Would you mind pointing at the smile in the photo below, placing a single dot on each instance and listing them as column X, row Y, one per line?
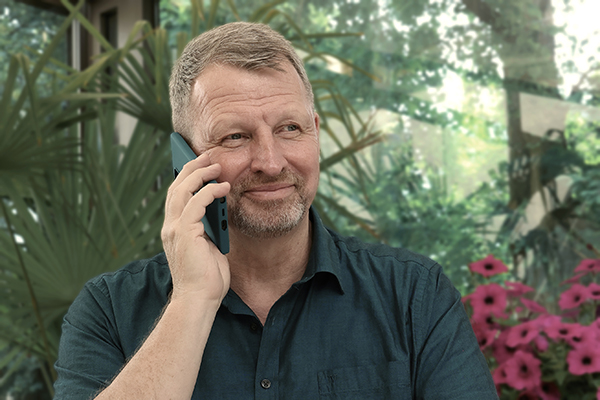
column 271, row 191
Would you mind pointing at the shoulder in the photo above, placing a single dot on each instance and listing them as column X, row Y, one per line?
column 390, row 272
column 144, row 274
column 382, row 256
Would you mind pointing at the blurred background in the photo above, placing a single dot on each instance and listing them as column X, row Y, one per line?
column 453, row 128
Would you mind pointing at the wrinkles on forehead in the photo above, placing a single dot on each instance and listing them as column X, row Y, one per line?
column 215, row 102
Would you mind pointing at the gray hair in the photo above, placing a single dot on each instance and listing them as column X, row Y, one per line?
column 245, row 45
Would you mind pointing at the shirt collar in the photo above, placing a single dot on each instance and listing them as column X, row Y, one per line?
column 324, row 254
column 323, row 263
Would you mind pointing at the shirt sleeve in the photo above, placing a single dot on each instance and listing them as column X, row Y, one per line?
column 89, row 354
column 450, row 363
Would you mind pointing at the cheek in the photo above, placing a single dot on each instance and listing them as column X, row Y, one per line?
column 233, row 165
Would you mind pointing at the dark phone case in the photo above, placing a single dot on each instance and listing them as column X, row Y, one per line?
column 215, row 218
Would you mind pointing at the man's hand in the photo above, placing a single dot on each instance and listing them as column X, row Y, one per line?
column 198, row 269
column 167, row 364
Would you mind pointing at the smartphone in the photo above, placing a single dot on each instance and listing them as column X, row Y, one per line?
column 215, row 217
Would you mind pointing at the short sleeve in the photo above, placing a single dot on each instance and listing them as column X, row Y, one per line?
column 450, row 363
column 89, row 355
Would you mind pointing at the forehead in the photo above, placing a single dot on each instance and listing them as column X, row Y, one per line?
column 227, row 90
column 218, row 79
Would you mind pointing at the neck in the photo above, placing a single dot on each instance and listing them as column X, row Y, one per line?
column 262, row 270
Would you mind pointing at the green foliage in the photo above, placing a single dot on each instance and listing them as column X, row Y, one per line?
column 404, row 203
column 22, row 26
column 74, row 202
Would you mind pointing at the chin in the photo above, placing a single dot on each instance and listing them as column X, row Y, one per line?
column 267, row 219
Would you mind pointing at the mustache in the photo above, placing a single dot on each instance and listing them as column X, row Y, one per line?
column 258, row 179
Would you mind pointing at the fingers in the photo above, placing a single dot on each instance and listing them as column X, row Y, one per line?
column 195, row 208
column 192, row 177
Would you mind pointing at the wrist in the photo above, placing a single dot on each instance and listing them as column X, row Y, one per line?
column 192, row 301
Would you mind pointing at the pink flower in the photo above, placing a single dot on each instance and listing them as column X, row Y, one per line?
column 499, row 375
column 574, row 279
column 517, row 288
column 560, row 330
column 541, row 343
column 488, row 266
column 546, row 320
column 594, row 291
column 533, row 306
column 484, row 320
column 549, row 391
column 582, row 336
column 489, row 299
column 573, row 297
column 484, row 330
column 584, row 360
column 523, row 371
column 522, row 334
column 502, row 352
column 588, row 265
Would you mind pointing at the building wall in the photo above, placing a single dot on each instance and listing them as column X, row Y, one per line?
column 128, row 12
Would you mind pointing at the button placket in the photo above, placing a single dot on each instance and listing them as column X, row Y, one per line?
column 267, row 368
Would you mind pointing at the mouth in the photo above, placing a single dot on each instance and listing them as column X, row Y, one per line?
column 270, row 191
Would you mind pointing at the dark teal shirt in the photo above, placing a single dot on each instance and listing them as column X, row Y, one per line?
column 365, row 322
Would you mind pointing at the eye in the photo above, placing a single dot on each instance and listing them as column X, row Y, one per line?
column 233, row 140
column 235, row 136
column 290, row 131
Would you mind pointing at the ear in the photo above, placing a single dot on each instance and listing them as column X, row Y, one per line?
column 317, row 124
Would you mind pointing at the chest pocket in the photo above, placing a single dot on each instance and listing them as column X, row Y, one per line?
column 383, row 381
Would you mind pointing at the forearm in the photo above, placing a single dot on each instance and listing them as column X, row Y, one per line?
column 166, row 365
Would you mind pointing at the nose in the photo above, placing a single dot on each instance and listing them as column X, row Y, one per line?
column 267, row 154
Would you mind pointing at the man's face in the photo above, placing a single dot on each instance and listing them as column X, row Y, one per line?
column 260, row 126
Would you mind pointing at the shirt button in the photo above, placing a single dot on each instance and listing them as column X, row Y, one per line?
column 265, row 383
column 254, row 326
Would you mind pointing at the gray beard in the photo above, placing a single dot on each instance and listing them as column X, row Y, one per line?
column 267, row 219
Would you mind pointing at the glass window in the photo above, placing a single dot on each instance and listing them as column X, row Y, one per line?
column 490, row 118
column 28, row 29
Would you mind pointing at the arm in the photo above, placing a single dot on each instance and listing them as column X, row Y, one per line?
column 166, row 364
column 450, row 363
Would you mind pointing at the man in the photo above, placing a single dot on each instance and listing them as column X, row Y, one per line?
column 294, row 311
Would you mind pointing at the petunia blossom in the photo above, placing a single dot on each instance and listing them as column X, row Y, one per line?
column 533, row 306
column 584, row 360
column 489, row 299
column 573, row 297
column 549, row 391
column 594, row 291
column 517, row 288
column 485, row 337
column 479, row 319
column 546, row 320
column 522, row 334
column 582, row 336
column 560, row 330
column 523, row 371
column 588, row 265
column 541, row 343
column 488, row 266
column 499, row 375
column 574, row 279
column 503, row 352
